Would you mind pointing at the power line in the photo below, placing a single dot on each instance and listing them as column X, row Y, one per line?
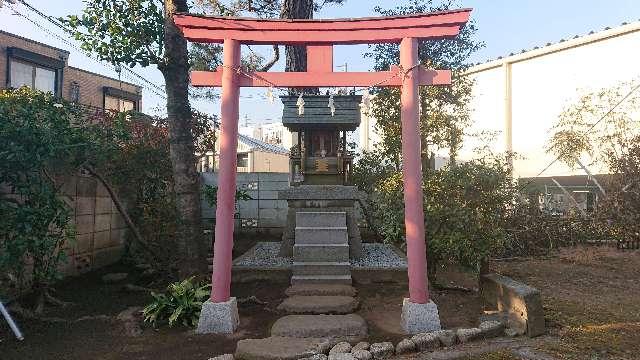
column 159, row 91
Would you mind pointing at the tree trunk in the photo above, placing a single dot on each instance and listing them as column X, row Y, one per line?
column 191, row 253
column 296, row 56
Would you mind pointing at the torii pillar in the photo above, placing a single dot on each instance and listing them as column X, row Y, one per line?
column 420, row 314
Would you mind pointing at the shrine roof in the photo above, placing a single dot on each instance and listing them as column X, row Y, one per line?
column 215, row 29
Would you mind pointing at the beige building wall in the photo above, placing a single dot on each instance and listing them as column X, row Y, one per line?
column 521, row 97
column 91, row 85
column 267, row 162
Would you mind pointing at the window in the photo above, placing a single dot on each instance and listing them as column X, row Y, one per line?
column 243, row 160
column 33, row 76
column 34, row 70
column 114, row 103
column 74, row 92
column 120, row 100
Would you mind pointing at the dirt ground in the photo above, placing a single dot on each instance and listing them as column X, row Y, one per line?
column 591, row 298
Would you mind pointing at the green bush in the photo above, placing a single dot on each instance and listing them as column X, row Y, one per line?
column 465, row 208
column 180, row 304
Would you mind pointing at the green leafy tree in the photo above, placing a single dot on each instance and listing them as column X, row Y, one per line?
column 37, row 142
column 444, row 109
column 142, row 32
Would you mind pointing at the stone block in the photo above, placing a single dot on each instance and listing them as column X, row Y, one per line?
column 102, row 239
column 363, row 345
column 86, row 187
column 310, row 252
column 274, row 186
column 265, row 214
column 266, row 177
column 350, row 327
column 321, row 219
column 276, row 348
column 69, row 184
column 83, row 243
column 107, row 256
column 101, row 191
column 104, row 205
column 218, row 318
column 267, row 195
column 325, row 290
column 319, row 305
column 419, row 318
column 103, row 222
column 273, row 204
column 322, row 268
column 321, row 235
column 85, row 205
column 118, row 237
column 523, row 303
column 84, row 224
column 117, row 221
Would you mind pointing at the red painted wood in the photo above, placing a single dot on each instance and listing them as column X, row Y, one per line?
column 345, row 37
column 322, row 79
column 458, row 17
column 320, row 58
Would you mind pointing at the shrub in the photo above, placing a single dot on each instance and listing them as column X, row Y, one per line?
column 180, row 304
column 465, row 209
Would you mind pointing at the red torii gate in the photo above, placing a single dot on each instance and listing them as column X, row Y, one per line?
column 319, row 36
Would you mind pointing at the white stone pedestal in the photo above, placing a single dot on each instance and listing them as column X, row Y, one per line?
column 219, row 318
column 420, row 318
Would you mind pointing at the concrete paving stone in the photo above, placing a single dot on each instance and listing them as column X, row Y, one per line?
column 322, row 290
column 350, row 327
column 382, row 350
column 276, row 348
column 405, row 346
column 362, row 354
column 321, row 279
column 319, row 305
column 426, row 341
column 340, row 348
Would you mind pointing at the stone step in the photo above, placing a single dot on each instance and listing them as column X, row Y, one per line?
column 321, row 268
column 321, row 290
column 322, row 235
column 322, row 219
column 321, row 279
column 277, row 348
column 321, row 252
column 319, row 305
column 350, row 328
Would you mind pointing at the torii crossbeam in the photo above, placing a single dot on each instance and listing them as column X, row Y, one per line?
column 219, row 315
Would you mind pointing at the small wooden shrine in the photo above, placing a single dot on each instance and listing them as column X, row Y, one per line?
column 321, row 154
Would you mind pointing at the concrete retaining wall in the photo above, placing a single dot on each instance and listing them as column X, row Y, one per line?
column 521, row 302
column 264, row 212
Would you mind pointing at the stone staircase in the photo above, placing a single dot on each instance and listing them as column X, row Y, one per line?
column 321, row 250
column 320, row 301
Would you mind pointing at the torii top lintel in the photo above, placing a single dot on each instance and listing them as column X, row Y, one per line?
column 320, row 36
column 436, row 25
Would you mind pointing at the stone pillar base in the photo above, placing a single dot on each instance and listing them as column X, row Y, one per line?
column 420, row 318
column 219, row 318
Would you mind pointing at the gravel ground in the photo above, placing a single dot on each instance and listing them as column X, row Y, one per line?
column 265, row 254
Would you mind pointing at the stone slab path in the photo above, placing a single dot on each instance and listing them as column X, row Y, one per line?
column 321, row 300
